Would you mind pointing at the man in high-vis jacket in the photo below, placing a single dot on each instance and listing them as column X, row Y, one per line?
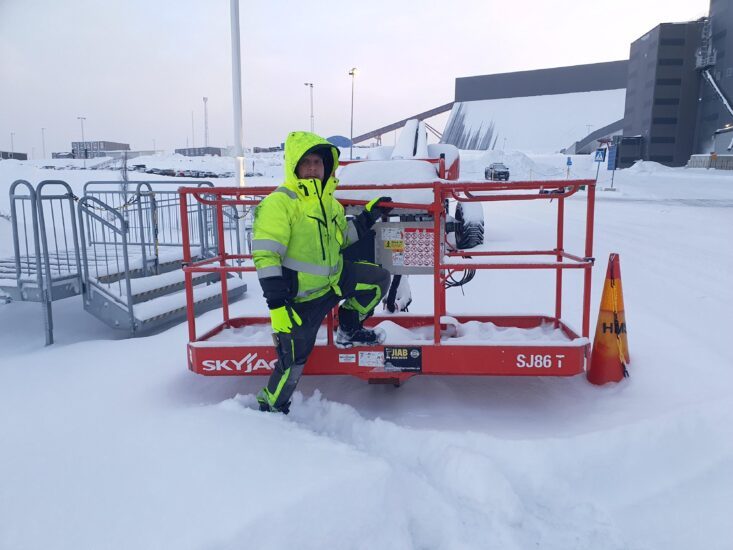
column 300, row 231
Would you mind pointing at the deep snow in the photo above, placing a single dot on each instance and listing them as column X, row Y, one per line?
column 112, row 443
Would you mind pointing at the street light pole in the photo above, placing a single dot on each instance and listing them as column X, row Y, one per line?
column 43, row 141
column 352, row 73
column 237, row 92
column 310, row 85
column 193, row 133
column 206, row 123
column 12, row 145
column 83, row 143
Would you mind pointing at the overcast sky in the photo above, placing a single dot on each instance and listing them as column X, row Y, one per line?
column 137, row 69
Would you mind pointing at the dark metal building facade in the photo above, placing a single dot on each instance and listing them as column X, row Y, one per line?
column 200, row 151
column 712, row 114
column 91, row 149
column 661, row 94
column 559, row 80
column 15, row 156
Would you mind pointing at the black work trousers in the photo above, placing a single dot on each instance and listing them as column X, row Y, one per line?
column 362, row 282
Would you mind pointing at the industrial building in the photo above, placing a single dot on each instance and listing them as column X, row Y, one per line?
column 16, row 156
column 200, row 151
column 716, row 83
column 678, row 94
column 661, row 95
column 539, row 110
column 92, row 149
column 670, row 102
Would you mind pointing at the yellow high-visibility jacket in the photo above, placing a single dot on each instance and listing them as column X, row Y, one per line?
column 300, row 229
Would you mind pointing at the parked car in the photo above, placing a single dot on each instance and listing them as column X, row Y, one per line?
column 497, row 171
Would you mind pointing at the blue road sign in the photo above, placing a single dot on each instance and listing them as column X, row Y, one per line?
column 600, row 155
column 569, row 162
column 612, row 157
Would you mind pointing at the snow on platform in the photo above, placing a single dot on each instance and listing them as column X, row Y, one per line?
column 470, row 333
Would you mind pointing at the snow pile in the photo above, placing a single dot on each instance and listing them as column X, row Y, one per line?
column 524, row 167
column 649, row 167
column 540, row 124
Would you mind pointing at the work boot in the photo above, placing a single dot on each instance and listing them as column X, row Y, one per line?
column 265, row 404
column 359, row 337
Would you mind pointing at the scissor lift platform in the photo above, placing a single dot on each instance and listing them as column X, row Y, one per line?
column 437, row 344
column 528, row 345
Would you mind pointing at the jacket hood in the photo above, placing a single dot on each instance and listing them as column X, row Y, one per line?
column 299, row 144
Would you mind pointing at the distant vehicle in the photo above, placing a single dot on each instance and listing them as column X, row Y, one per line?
column 167, row 172
column 497, row 171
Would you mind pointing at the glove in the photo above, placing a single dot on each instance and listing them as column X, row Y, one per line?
column 283, row 317
column 375, row 212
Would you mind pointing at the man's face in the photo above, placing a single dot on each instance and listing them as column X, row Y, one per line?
column 310, row 166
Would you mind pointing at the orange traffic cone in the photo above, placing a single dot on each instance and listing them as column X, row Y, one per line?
column 610, row 347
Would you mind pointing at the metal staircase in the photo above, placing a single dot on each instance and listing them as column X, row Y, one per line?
column 124, row 256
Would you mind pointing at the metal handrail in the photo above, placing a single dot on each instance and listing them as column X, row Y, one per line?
column 88, row 206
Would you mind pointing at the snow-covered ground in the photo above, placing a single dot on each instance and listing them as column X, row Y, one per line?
column 112, row 443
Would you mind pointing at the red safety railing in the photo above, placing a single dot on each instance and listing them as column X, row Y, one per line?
column 445, row 265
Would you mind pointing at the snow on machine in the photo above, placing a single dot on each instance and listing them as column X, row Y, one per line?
column 410, row 160
column 414, row 240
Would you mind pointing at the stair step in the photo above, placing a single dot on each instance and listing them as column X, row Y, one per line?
column 172, row 303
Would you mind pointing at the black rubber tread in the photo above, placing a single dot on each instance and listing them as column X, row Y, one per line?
column 468, row 234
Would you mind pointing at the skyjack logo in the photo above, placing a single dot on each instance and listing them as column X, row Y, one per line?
column 250, row 363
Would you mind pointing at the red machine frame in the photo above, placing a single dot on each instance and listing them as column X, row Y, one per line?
column 437, row 357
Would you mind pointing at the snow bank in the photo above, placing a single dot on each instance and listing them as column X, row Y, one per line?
column 540, row 124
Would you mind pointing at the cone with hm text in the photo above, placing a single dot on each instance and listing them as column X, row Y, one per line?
column 610, row 354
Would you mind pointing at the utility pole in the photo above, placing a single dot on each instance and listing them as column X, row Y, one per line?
column 12, row 145
column 43, row 141
column 352, row 73
column 206, row 123
column 193, row 134
column 83, row 143
column 310, row 85
column 237, row 92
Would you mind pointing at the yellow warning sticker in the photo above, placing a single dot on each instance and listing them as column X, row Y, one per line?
column 394, row 245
